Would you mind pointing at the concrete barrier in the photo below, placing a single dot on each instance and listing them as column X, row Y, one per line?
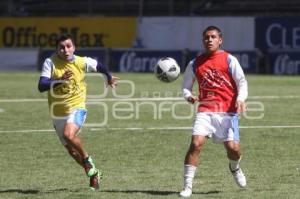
column 14, row 59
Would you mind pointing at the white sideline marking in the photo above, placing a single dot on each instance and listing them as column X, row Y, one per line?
column 23, row 100
column 100, row 99
column 145, row 99
column 28, row 131
column 150, row 128
column 141, row 128
column 274, row 97
column 189, row 128
column 270, row 127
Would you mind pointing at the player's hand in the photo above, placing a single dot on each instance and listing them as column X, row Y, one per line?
column 113, row 82
column 241, row 106
column 192, row 99
column 67, row 75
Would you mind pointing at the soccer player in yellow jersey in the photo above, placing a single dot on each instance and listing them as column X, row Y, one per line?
column 63, row 77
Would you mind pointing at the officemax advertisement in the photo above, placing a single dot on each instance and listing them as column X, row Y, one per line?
column 111, row 32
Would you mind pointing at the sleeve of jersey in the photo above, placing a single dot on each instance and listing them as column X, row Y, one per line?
column 239, row 78
column 93, row 65
column 188, row 81
column 45, row 78
column 47, row 68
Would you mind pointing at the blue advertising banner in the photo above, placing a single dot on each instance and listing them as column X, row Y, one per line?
column 98, row 54
column 277, row 33
column 135, row 60
column 285, row 62
column 247, row 59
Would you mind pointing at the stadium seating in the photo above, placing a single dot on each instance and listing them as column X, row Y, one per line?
column 248, row 7
column 148, row 7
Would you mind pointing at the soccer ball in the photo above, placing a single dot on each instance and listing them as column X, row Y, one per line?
column 167, row 69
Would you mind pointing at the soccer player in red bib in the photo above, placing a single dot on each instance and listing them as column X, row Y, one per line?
column 223, row 90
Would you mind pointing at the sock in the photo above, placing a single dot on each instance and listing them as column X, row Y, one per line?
column 189, row 173
column 86, row 160
column 234, row 164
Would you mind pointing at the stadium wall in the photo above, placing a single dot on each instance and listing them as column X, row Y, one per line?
column 143, row 60
column 164, row 32
column 110, row 32
column 262, row 44
column 18, row 59
column 278, row 38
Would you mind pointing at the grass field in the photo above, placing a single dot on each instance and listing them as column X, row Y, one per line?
column 135, row 142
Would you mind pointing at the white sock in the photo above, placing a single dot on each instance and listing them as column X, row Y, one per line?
column 189, row 173
column 234, row 164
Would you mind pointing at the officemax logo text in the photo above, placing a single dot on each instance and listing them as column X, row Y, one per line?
column 29, row 36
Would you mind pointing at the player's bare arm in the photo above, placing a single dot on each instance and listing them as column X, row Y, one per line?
column 113, row 82
column 241, row 106
column 192, row 99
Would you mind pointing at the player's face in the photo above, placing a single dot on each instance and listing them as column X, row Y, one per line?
column 65, row 49
column 212, row 41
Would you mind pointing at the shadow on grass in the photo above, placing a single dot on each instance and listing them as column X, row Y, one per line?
column 150, row 192
column 22, row 191
column 208, row 192
column 35, row 191
column 62, row 190
column 160, row 193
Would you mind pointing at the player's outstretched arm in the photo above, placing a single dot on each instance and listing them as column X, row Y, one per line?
column 113, row 82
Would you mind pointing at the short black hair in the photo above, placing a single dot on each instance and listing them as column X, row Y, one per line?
column 209, row 28
column 64, row 37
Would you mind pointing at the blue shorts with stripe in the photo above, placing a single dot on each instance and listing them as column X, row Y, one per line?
column 77, row 117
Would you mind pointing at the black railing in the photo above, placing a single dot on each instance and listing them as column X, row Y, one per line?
column 148, row 7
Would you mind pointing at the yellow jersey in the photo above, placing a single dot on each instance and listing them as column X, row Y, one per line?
column 71, row 94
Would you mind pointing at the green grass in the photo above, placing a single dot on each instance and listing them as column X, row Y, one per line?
column 146, row 163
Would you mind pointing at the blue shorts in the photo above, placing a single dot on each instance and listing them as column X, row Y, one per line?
column 77, row 117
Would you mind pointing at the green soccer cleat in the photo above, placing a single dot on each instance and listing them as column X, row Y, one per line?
column 89, row 167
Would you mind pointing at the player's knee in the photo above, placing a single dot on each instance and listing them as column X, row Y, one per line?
column 234, row 151
column 232, row 147
column 196, row 146
column 68, row 135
